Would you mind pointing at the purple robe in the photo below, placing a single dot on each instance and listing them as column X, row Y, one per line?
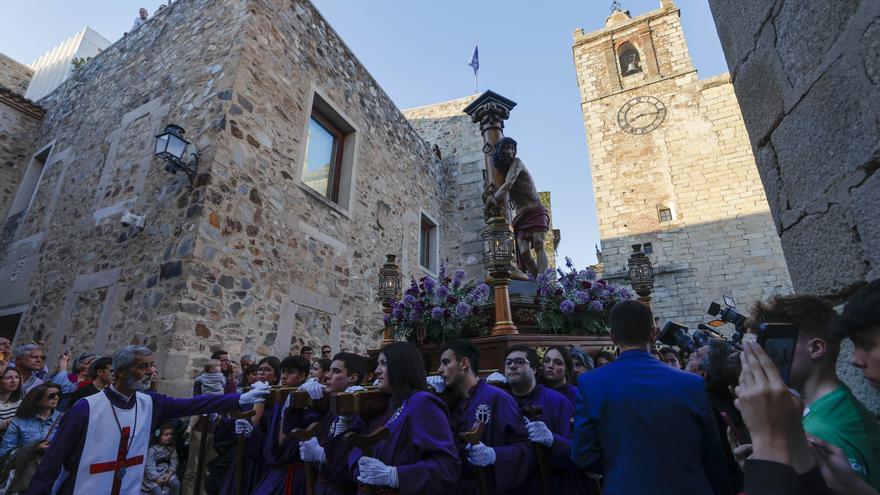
column 505, row 432
column 556, row 413
column 284, row 465
column 333, row 476
column 67, row 447
column 421, row 446
column 253, row 466
column 569, row 391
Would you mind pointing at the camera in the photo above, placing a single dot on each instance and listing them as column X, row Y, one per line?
column 728, row 314
column 676, row 334
column 129, row 218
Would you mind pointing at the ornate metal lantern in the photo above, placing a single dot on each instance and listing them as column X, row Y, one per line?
column 641, row 272
column 171, row 147
column 499, row 249
column 390, row 279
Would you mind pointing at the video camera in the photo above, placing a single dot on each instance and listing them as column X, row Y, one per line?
column 676, row 334
column 728, row 315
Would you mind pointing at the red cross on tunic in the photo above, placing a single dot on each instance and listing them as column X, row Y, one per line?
column 120, row 463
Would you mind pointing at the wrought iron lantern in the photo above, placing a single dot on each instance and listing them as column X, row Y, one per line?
column 499, row 249
column 390, row 278
column 641, row 272
column 171, row 147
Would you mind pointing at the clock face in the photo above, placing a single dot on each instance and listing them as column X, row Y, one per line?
column 641, row 115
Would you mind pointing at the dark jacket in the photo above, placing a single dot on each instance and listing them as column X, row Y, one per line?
column 648, row 428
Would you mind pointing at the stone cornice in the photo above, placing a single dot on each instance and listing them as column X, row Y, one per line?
column 21, row 103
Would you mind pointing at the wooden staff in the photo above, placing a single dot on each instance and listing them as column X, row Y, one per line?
column 472, row 437
column 369, row 404
column 303, row 435
column 239, row 449
column 366, row 444
column 534, row 413
column 203, row 444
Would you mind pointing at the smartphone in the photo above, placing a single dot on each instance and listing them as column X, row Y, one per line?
column 779, row 341
column 740, row 438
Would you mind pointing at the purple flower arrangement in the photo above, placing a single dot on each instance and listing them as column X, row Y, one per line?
column 438, row 310
column 575, row 302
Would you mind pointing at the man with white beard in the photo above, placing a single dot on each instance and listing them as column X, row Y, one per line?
column 102, row 441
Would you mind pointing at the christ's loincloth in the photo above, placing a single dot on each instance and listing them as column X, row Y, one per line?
column 530, row 221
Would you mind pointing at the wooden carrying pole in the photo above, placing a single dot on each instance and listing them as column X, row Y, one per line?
column 366, row 444
column 239, row 450
column 303, row 435
column 534, row 413
column 204, row 426
column 472, row 437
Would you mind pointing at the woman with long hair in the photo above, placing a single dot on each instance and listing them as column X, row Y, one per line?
column 558, row 372
column 10, row 396
column 420, row 456
column 28, row 436
column 35, row 420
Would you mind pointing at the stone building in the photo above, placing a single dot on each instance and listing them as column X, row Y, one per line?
column 19, row 121
column 307, row 176
column 672, row 168
column 807, row 77
column 459, row 143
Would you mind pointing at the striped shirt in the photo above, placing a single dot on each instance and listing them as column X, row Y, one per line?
column 7, row 409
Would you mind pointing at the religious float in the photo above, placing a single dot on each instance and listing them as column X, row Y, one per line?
column 521, row 301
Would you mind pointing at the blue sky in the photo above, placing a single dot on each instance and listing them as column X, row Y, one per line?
column 418, row 51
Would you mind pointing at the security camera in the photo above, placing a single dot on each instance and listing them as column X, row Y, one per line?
column 129, row 218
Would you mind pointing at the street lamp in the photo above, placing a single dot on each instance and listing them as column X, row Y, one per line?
column 641, row 274
column 499, row 252
column 171, row 147
column 390, row 279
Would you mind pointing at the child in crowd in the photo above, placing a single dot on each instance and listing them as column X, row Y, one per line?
column 210, row 382
column 160, row 471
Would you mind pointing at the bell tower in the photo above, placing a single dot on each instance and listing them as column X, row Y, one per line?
column 671, row 165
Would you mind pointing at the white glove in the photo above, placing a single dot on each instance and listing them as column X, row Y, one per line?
column 313, row 388
column 437, row 383
column 376, row 382
column 480, row 455
column 354, row 388
column 311, row 451
column 257, row 393
column 539, row 433
column 243, row 427
column 343, row 423
column 375, row 472
column 496, row 377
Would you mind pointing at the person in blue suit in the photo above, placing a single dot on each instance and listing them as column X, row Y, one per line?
column 646, row 427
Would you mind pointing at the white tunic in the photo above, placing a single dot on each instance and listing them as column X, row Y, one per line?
column 97, row 466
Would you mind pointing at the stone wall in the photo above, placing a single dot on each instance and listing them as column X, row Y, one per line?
column 86, row 281
column 14, row 75
column 696, row 162
column 807, row 76
column 460, row 144
column 277, row 266
column 19, row 122
column 250, row 260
